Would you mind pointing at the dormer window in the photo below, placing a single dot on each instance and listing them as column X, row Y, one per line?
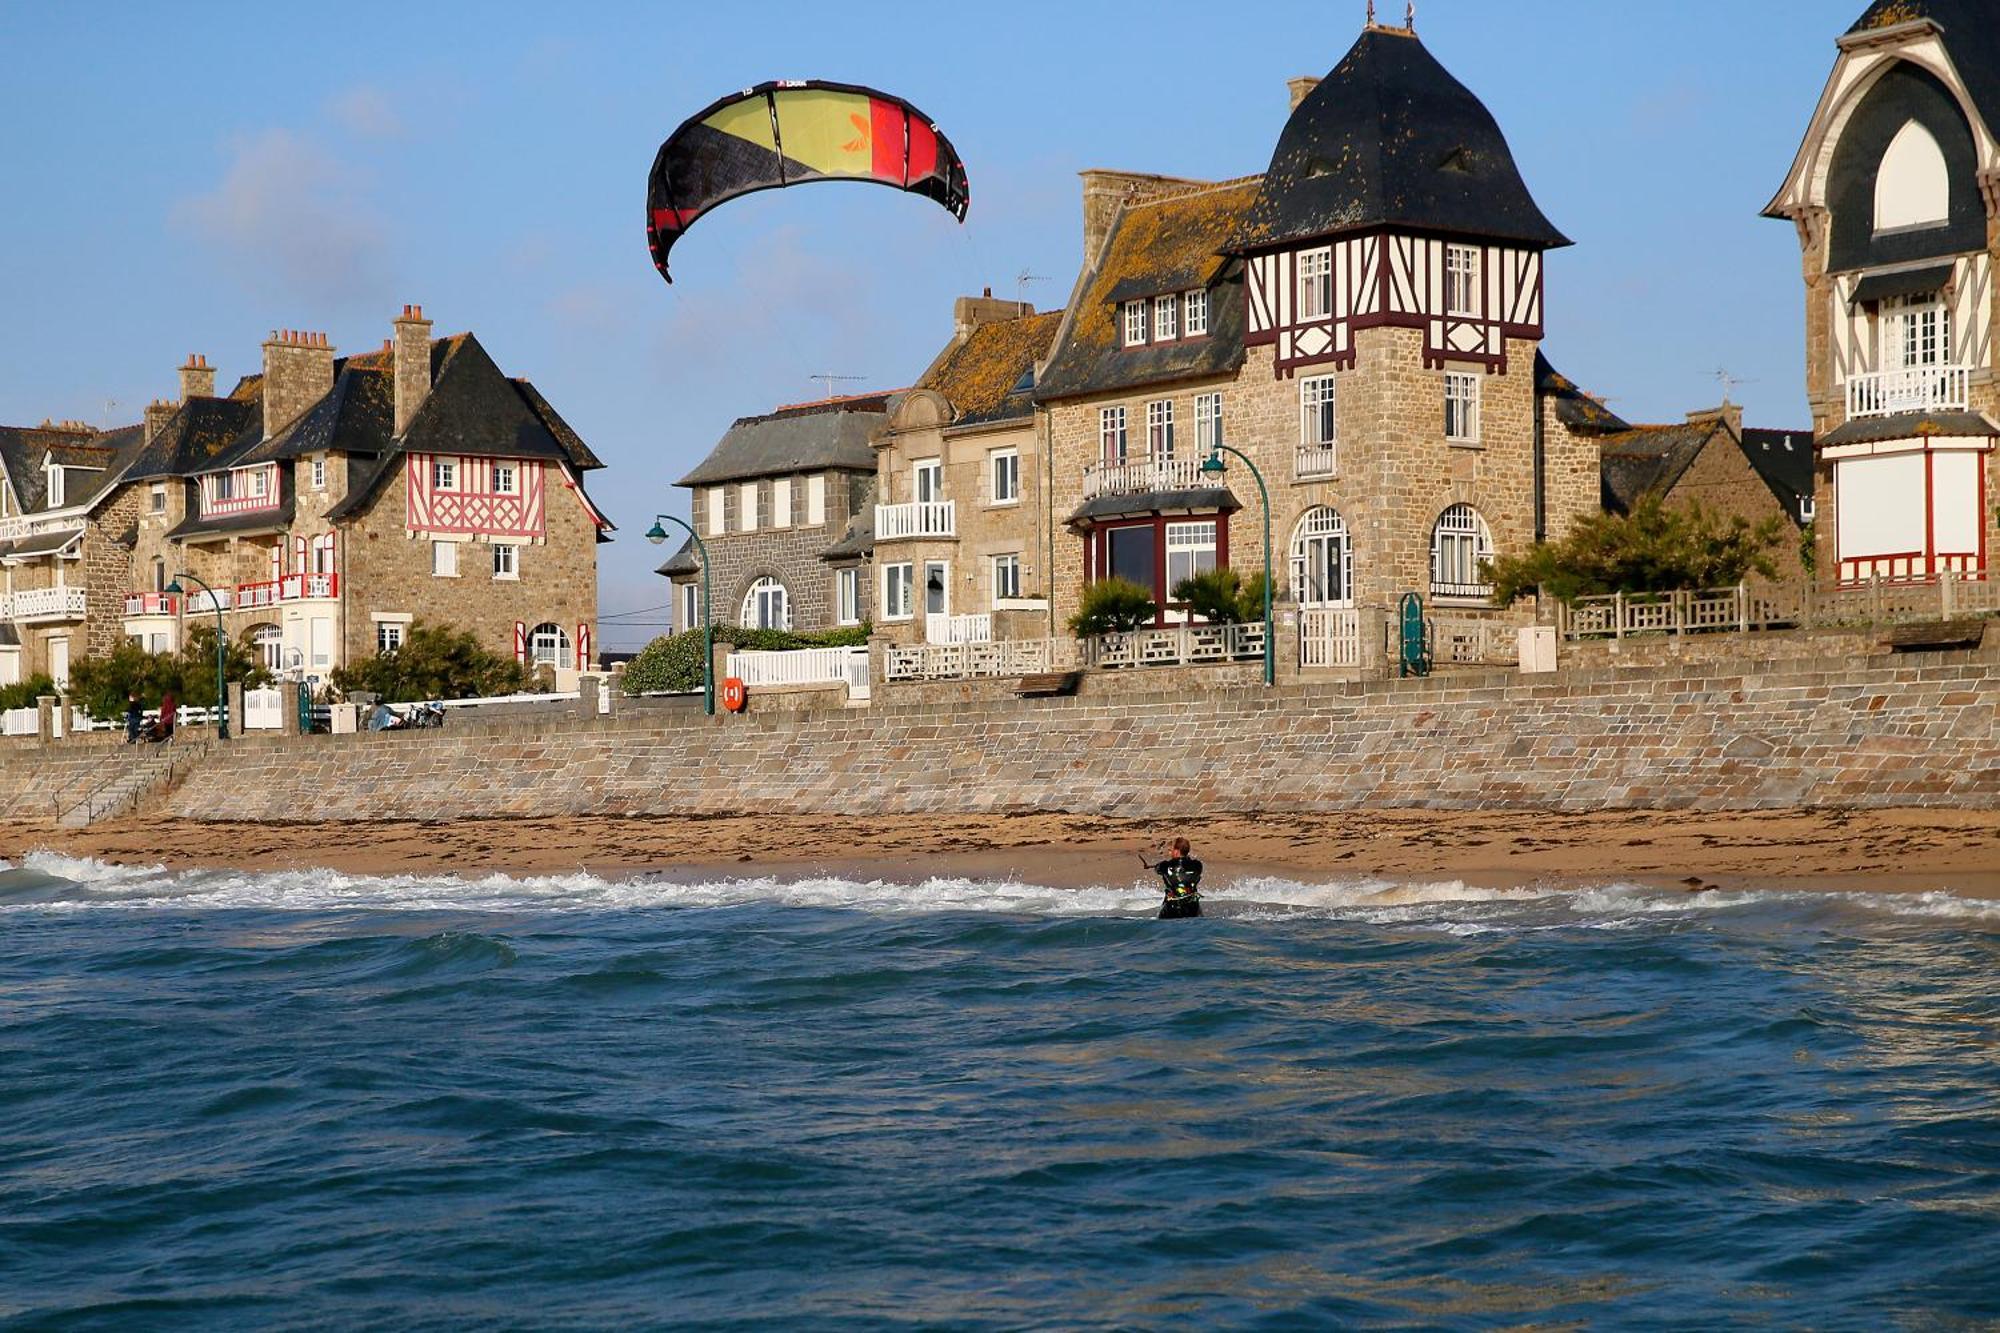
column 1194, row 314
column 55, row 487
column 259, row 484
column 1461, row 280
column 1912, row 185
column 1135, row 323
column 1166, row 318
column 1315, row 284
column 225, row 486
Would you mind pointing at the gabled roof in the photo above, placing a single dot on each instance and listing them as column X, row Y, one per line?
column 806, row 437
column 1575, row 409
column 260, row 520
column 474, row 409
column 1649, row 458
column 1156, row 246
column 1971, row 39
column 857, row 541
column 93, row 461
column 1784, row 459
column 22, row 450
column 682, row 561
column 580, row 454
column 357, row 417
column 982, row 378
column 1390, row 139
column 206, row 434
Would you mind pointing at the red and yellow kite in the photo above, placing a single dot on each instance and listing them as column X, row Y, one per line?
column 780, row 134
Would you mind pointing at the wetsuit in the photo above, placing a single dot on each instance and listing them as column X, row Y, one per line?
column 1181, row 878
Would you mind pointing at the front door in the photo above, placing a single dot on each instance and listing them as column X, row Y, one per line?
column 59, row 661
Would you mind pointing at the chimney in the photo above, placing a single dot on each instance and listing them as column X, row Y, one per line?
column 1732, row 413
column 971, row 312
column 1105, row 192
column 298, row 372
column 1301, row 88
column 413, row 364
column 158, row 414
column 197, row 378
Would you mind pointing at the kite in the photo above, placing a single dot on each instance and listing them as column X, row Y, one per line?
column 789, row 133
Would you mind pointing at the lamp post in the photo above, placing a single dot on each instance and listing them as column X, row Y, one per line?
column 221, row 644
column 1215, row 467
column 657, row 534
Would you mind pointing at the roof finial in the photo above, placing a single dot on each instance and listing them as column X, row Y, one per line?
column 1410, row 16
column 1371, row 13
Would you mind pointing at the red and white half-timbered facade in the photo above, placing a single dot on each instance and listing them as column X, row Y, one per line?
column 477, row 497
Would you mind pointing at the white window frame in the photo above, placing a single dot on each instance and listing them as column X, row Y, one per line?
column 222, row 486
column 690, row 606
column 1188, row 541
column 767, row 605
column 536, row 639
column 1167, row 318
column 1194, row 313
column 1320, row 536
column 55, row 488
column 1319, row 420
column 718, row 512
column 506, row 561
column 943, row 570
column 1916, row 332
column 816, row 500
column 319, row 473
column 899, row 591
column 158, row 500
column 1160, row 430
column 1461, row 406
column 1003, row 470
column 1208, row 435
column 444, row 560
column 1007, row 577
column 444, row 474
column 746, row 507
column 1110, row 433
column 1462, row 280
column 1315, row 300
column 389, row 636
column 504, row 479
column 847, row 596
column 260, row 484
column 1460, row 543
column 927, row 480
column 1135, row 323
column 781, row 503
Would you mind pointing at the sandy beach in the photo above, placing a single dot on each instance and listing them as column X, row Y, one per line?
column 1876, row 850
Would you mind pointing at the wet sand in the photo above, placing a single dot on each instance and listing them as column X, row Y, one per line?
column 1876, row 850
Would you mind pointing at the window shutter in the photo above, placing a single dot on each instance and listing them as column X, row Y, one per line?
column 521, row 641
column 583, row 647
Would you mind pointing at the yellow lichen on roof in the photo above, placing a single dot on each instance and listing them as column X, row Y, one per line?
column 1890, row 15
column 977, row 378
column 1162, row 244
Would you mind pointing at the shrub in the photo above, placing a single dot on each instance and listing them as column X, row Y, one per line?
column 1653, row 549
column 1223, row 597
column 22, row 694
column 102, row 684
column 672, row 663
column 1113, row 606
column 435, row 662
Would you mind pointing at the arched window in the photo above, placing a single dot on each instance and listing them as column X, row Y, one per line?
column 1322, row 560
column 766, row 606
column 268, row 641
column 1913, row 185
column 548, row 646
column 1460, row 546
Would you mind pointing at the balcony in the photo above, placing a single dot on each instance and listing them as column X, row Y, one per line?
column 34, row 525
column 43, row 604
column 923, row 518
column 151, row 604
column 943, row 629
column 1142, row 477
column 1316, row 460
column 206, row 603
column 1921, row 389
column 287, row 588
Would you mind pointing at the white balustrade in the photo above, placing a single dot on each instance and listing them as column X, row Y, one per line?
column 802, row 666
column 1316, row 460
column 34, row 525
column 1142, row 476
column 921, row 518
column 44, row 604
column 1919, row 389
column 958, row 629
column 205, row 602
column 978, row 661
column 1329, row 636
column 1186, row 645
column 21, row 722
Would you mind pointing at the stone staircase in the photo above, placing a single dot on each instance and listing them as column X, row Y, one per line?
column 129, row 777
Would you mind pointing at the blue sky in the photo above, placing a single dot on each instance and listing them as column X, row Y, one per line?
column 187, row 178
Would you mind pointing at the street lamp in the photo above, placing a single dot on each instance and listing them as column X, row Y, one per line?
column 221, row 690
column 657, row 534
column 1215, row 467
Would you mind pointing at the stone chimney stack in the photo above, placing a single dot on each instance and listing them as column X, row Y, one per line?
column 1105, row 192
column 1732, row 413
column 298, row 372
column 197, row 378
column 413, row 365
column 971, row 312
column 158, row 413
column 1301, row 88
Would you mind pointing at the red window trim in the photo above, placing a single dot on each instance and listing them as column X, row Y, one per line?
column 1094, row 542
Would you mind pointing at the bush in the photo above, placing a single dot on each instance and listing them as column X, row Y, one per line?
column 1113, row 606
column 102, row 684
column 435, row 662
column 1652, row 549
column 24, row 693
column 672, row 663
column 1223, row 597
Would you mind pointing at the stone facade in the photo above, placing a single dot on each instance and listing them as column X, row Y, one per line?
column 789, row 553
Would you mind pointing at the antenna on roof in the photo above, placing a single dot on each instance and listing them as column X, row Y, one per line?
column 1729, row 383
column 828, row 380
column 1021, row 281
column 110, row 408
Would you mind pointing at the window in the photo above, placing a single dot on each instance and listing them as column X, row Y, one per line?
column 716, row 502
column 1135, row 323
column 1913, row 184
column 1006, row 577
column 225, row 487
column 1207, row 423
column 268, row 642
column 1166, row 318
column 319, row 474
column 847, row 596
column 388, row 637
column 1190, row 551
column 548, row 646
column 690, row 606
column 159, row 575
column 1111, row 434
column 937, row 587
column 927, row 481
column 503, row 479
column 322, row 554
column 1128, row 554
column 1160, row 430
column 898, row 599
column 56, row 501
column 1315, row 284
column 1460, row 545
column 746, row 507
column 1461, row 407
column 444, row 475
column 781, row 503
column 1317, row 426
column 506, row 561
column 815, row 500
column 158, row 499
column 1322, row 560
column 444, row 560
column 1917, row 331
column 1194, row 314
column 1461, row 280
column 766, row 606
column 260, row 484
column 1006, row 467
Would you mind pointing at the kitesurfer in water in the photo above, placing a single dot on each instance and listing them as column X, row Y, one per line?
column 1180, row 875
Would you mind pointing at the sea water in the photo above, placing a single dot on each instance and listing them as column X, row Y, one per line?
column 307, row 1099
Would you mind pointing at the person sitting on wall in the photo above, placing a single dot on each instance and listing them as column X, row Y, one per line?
column 135, row 718
column 158, row 729
column 382, row 718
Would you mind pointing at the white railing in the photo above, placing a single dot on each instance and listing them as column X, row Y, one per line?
column 1185, row 645
column 43, row 604
column 208, row 603
column 958, row 629
column 857, row 674
column 802, row 666
column 263, row 710
column 1329, row 637
column 14, row 529
column 1316, row 460
column 1921, row 389
column 21, row 722
column 1141, row 477
column 151, row 604
column 978, row 661
column 921, row 518
column 1469, row 642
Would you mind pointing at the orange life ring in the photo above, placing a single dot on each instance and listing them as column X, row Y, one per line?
column 734, row 695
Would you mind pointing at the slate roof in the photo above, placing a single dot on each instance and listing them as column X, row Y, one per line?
column 682, row 561
column 42, row 543
column 1206, row 500
column 1784, row 459
column 1649, row 458
column 93, row 460
column 204, row 435
column 982, row 377
column 1971, row 39
column 1390, row 139
column 1909, row 425
column 857, row 541
column 1156, row 246
column 1576, row 409
column 805, row 437
column 357, row 417
column 262, row 520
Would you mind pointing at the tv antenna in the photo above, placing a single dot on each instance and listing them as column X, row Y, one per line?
column 1021, row 281
column 828, row 379
column 1729, row 383
column 110, row 408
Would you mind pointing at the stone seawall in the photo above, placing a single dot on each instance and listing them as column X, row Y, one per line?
column 1909, row 731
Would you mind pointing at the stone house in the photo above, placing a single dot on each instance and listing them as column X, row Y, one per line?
column 1363, row 322
column 327, row 503
column 1895, row 194
column 959, row 538
column 769, row 500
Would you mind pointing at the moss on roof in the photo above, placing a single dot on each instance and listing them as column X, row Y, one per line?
column 980, row 378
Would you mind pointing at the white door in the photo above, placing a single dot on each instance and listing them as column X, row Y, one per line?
column 930, row 481
column 59, row 661
column 10, row 667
